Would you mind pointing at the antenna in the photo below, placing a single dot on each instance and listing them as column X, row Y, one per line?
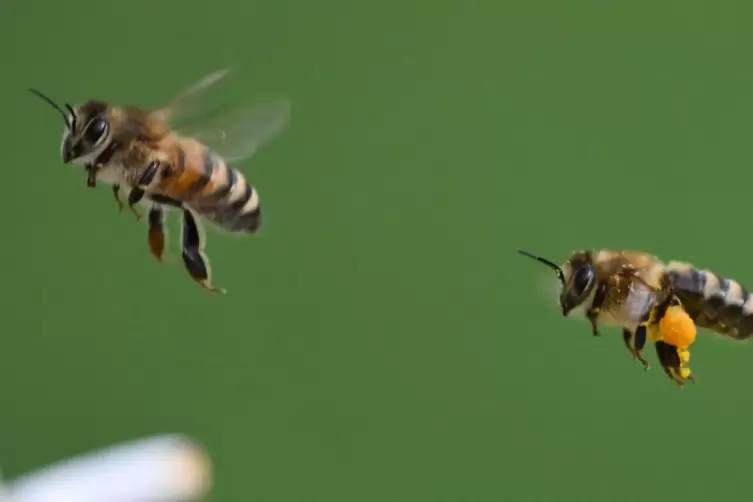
column 557, row 269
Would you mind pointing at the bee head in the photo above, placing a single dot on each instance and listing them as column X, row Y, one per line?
column 577, row 278
column 87, row 130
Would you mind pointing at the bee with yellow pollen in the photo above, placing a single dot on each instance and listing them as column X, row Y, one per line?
column 637, row 292
column 673, row 335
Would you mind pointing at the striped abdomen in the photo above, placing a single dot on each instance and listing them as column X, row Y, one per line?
column 713, row 302
column 201, row 180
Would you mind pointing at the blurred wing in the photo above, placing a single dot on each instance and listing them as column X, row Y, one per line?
column 236, row 133
column 190, row 97
column 4, row 492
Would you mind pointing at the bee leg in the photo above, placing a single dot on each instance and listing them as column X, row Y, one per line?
column 194, row 259
column 91, row 175
column 636, row 347
column 670, row 362
column 147, row 177
column 134, row 197
column 592, row 314
column 157, row 231
column 626, row 336
column 639, row 341
column 116, row 194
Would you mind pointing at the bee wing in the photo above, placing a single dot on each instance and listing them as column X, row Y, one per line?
column 237, row 132
column 189, row 97
column 234, row 132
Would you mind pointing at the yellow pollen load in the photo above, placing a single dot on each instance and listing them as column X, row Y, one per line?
column 678, row 329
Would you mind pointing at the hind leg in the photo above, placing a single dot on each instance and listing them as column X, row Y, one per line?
column 157, row 231
column 196, row 262
column 671, row 363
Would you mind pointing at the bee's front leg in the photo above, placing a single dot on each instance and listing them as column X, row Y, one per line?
column 91, row 175
column 592, row 314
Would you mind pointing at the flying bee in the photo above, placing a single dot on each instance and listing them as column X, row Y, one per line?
column 176, row 164
column 637, row 292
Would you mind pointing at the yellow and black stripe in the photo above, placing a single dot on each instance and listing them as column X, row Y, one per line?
column 206, row 184
column 713, row 302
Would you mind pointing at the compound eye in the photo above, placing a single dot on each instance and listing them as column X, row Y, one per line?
column 96, row 129
column 582, row 279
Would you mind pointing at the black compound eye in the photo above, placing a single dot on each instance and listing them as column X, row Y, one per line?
column 582, row 279
column 95, row 130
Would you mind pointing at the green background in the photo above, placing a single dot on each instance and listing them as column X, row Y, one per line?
column 381, row 340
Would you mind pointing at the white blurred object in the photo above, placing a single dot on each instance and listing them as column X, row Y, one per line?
column 169, row 468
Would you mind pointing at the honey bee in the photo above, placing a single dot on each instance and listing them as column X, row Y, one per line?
column 173, row 164
column 639, row 293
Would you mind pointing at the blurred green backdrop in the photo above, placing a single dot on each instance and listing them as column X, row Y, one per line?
column 381, row 340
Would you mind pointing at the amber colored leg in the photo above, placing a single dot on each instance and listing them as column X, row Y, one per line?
column 157, row 232
column 91, row 176
column 592, row 315
column 116, row 194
